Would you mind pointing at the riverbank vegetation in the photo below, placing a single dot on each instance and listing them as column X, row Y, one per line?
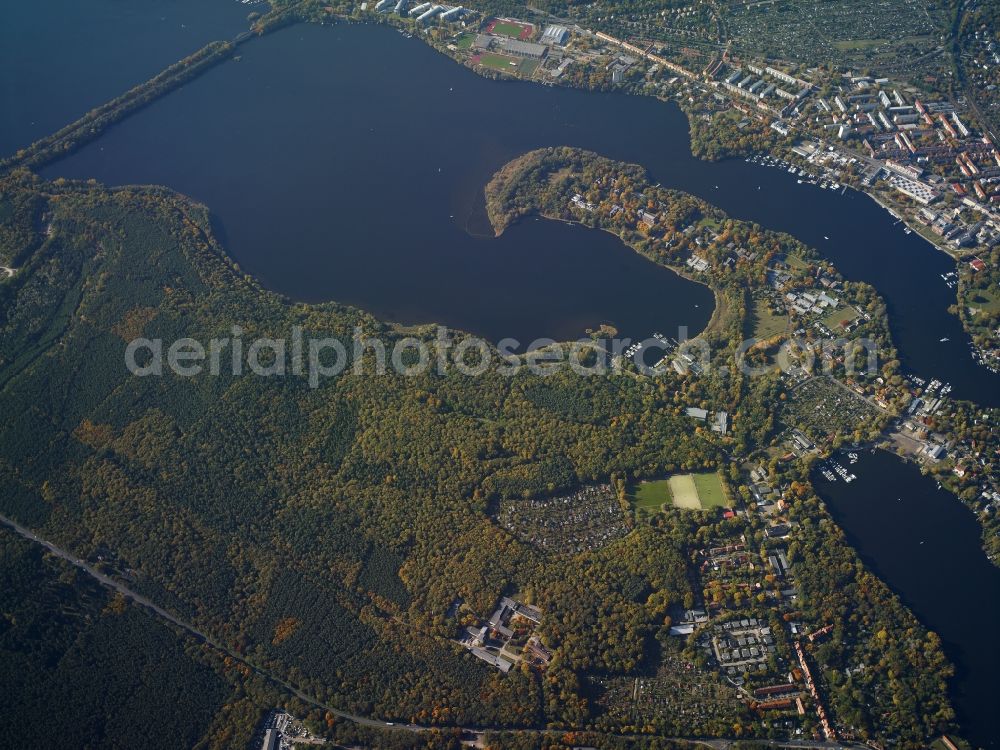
column 322, row 532
column 95, row 122
column 971, row 464
column 978, row 303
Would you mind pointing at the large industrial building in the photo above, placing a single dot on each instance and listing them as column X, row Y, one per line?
column 555, row 35
column 522, row 49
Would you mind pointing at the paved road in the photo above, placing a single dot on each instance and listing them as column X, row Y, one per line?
column 192, row 630
column 475, row 732
column 969, row 91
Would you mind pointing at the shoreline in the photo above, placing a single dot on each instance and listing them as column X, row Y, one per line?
column 906, row 222
column 719, row 308
column 386, row 21
column 958, row 287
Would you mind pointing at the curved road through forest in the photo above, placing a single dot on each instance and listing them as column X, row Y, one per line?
column 476, row 732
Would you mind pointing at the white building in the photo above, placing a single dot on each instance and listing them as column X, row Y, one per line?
column 555, row 35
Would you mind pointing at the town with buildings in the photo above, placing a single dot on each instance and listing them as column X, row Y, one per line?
column 924, row 157
column 888, row 131
column 439, row 563
column 885, row 132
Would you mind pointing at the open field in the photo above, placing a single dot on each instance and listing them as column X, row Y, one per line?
column 498, row 62
column 840, row 318
column 465, row 40
column 710, row 491
column 686, row 491
column 527, row 67
column 794, row 261
column 505, row 64
column 765, row 323
column 651, row 495
column 983, row 300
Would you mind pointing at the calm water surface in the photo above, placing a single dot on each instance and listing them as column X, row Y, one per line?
column 61, row 58
column 348, row 163
column 926, row 545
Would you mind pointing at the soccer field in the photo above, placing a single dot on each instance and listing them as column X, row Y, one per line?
column 838, row 318
column 651, row 496
column 684, row 492
column 710, row 491
column 508, row 29
column 498, row 62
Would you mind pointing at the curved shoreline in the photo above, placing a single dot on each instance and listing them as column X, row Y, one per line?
column 719, row 304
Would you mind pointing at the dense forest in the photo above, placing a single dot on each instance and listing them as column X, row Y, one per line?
column 327, row 533
column 91, row 670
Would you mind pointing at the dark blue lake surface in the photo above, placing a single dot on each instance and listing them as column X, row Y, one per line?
column 342, row 169
column 348, row 163
column 926, row 545
column 61, row 58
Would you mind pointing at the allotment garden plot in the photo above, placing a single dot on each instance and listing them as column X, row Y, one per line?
column 585, row 520
column 822, row 407
column 678, row 696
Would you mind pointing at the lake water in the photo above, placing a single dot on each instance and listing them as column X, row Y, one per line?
column 348, row 163
column 340, row 169
column 926, row 546
column 61, row 58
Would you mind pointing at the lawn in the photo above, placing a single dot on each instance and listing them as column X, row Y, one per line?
column 508, row 29
column 527, row 67
column 838, row 318
column 685, row 491
column 510, row 65
column 794, row 261
column 765, row 323
column 985, row 300
column 700, row 491
column 651, row 495
column 499, row 62
column 710, row 491
column 465, row 41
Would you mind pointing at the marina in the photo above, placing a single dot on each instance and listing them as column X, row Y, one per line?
column 332, row 206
